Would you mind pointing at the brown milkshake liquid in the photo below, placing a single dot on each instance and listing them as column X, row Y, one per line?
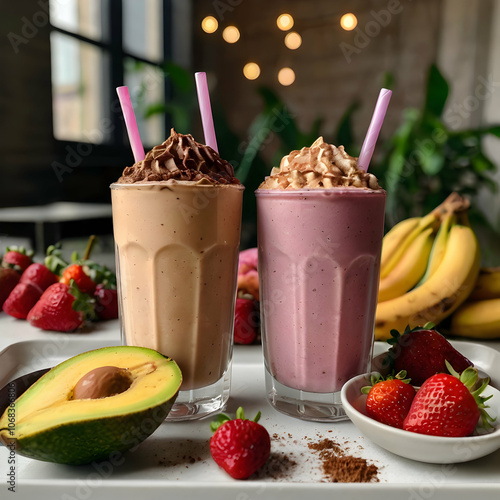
column 177, row 219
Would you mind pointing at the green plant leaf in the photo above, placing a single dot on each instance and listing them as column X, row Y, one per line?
column 179, row 77
column 261, row 130
column 437, row 92
column 154, row 109
column 431, row 161
column 482, row 163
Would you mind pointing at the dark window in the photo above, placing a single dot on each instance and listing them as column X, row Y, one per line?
column 96, row 46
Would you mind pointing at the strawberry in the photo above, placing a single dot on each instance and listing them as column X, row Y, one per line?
column 8, row 280
column 22, row 298
column 106, row 302
column 39, row 275
column 61, row 308
column 246, row 321
column 17, row 258
column 388, row 400
column 422, row 352
column 239, row 446
column 448, row 405
column 82, row 279
column 248, row 277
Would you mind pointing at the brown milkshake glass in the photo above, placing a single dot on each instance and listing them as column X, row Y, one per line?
column 177, row 219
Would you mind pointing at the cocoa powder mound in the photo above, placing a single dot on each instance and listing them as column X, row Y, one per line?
column 338, row 467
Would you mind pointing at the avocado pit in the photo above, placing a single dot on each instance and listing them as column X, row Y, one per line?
column 102, row 382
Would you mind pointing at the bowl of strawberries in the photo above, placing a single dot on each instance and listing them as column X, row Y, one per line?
column 428, row 402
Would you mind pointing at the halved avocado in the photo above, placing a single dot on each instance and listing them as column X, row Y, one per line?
column 48, row 423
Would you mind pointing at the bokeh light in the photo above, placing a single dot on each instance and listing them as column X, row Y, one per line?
column 251, row 71
column 293, row 40
column 209, row 24
column 348, row 21
column 286, row 76
column 285, row 22
column 231, row 34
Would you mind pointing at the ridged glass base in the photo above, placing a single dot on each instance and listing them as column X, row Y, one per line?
column 200, row 403
column 313, row 406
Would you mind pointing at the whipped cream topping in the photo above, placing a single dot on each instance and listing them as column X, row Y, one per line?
column 180, row 158
column 320, row 166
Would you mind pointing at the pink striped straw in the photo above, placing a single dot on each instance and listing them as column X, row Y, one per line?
column 206, row 110
column 131, row 123
column 374, row 129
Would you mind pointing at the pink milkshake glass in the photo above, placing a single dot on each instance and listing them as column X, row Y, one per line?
column 319, row 266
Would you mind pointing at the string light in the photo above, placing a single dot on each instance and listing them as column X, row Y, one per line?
column 231, row 34
column 348, row 21
column 286, row 76
column 285, row 22
column 251, row 71
column 293, row 40
column 209, row 24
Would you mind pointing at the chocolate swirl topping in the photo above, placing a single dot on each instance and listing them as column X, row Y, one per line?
column 180, row 158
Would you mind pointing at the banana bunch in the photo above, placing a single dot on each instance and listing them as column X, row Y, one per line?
column 429, row 266
column 479, row 315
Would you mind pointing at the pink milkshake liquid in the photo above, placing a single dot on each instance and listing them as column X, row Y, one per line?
column 319, row 265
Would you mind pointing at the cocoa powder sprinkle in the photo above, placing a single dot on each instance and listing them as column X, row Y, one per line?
column 341, row 468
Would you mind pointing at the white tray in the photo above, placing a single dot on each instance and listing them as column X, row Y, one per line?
column 175, row 461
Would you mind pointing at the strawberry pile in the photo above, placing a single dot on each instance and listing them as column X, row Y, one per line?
column 56, row 295
column 448, row 401
column 247, row 315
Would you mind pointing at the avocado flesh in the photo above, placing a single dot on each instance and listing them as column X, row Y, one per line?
column 51, row 426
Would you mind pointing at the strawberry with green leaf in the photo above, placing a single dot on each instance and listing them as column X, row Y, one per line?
column 17, row 258
column 39, row 275
column 239, row 446
column 389, row 399
column 79, row 274
column 449, row 405
column 21, row 299
column 422, row 352
column 62, row 308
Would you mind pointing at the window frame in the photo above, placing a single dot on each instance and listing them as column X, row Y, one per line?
column 116, row 152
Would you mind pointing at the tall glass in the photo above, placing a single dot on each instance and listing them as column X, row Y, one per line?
column 177, row 256
column 319, row 266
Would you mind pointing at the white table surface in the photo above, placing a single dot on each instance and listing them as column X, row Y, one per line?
column 56, row 212
column 142, row 477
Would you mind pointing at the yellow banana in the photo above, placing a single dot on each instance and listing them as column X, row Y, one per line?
column 487, row 285
column 439, row 247
column 479, row 319
column 430, row 220
column 410, row 268
column 441, row 294
column 395, row 236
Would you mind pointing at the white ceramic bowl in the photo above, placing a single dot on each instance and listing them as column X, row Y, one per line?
column 421, row 447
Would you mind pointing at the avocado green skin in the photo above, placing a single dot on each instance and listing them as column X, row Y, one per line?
column 93, row 440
